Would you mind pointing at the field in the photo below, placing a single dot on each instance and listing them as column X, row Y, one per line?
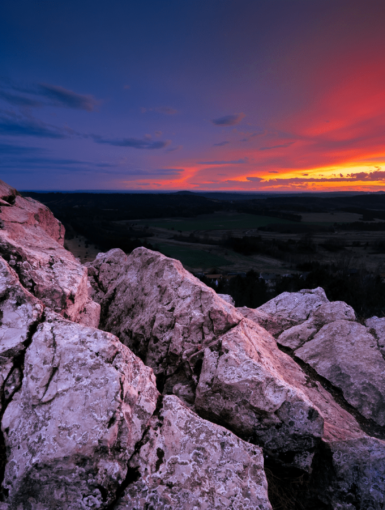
column 193, row 257
column 215, row 221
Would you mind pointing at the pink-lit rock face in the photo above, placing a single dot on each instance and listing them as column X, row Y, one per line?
column 347, row 355
column 160, row 311
column 31, row 240
column 85, row 403
column 187, row 462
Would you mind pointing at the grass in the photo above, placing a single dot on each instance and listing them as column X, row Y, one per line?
column 215, row 222
column 192, row 257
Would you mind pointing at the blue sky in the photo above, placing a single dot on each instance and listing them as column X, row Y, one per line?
column 214, row 94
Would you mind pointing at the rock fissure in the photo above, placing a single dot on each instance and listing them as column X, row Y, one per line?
column 133, row 474
column 368, row 426
column 18, row 364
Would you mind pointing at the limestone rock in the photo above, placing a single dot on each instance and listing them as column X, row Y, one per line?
column 105, row 271
column 351, row 475
column 31, row 241
column 187, row 463
column 377, row 328
column 347, row 355
column 292, row 308
column 161, row 312
column 243, row 384
column 20, row 312
column 325, row 314
column 265, row 320
column 85, row 403
column 227, row 298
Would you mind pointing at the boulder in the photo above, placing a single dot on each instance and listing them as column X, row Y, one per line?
column 20, row 312
column 162, row 312
column 31, row 241
column 377, row 329
column 347, row 355
column 244, row 384
column 227, row 298
column 84, row 404
column 292, row 308
column 187, row 463
column 265, row 320
column 325, row 314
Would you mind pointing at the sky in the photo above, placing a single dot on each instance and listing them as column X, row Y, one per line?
column 248, row 95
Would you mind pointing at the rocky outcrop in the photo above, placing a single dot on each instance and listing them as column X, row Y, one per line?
column 175, row 401
column 31, row 241
column 225, row 367
column 186, row 462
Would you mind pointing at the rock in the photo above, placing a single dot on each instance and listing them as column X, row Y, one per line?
column 187, row 463
column 162, row 312
column 325, row 314
column 351, row 475
column 105, row 271
column 377, row 329
column 243, row 385
column 292, row 308
column 347, row 355
column 70, row 431
column 31, row 241
column 20, row 313
column 227, row 298
column 268, row 322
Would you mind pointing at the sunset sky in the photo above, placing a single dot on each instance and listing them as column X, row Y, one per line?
column 249, row 95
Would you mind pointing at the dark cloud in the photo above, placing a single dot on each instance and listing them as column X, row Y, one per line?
column 254, row 179
column 16, row 125
column 136, row 143
column 67, row 98
column 276, row 146
column 374, row 176
column 18, row 100
column 49, row 95
column 232, row 162
column 221, row 144
column 165, row 110
column 229, row 120
column 17, row 150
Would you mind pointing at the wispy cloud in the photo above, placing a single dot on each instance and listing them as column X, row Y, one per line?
column 47, row 94
column 231, row 162
column 17, row 125
column 221, row 144
column 136, row 143
column 229, row 120
column 281, row 146
column 18, row 100
column 67, row 98
column 165, row 110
